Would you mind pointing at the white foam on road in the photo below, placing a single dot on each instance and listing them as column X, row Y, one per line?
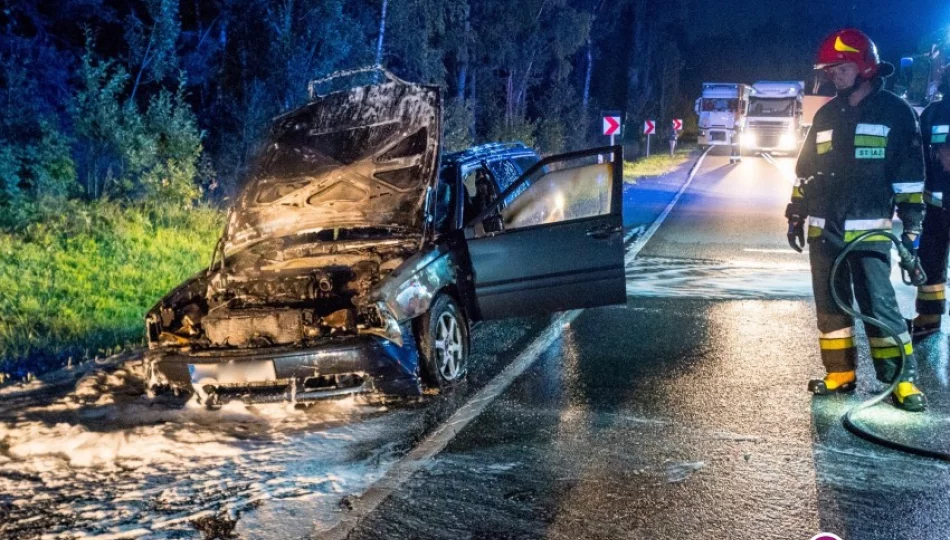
column 105, row 462
column 678, row 278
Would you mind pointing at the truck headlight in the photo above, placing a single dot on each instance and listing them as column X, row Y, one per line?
column 787, row 140
column 748, row 139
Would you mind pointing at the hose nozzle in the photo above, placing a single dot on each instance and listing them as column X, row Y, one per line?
column 910, row 264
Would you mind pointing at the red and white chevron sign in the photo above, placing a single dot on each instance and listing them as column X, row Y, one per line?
column 677, row 124
column 611, row 125
column 649, row 127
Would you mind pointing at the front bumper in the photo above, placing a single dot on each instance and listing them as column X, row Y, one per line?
column 345, row 366
column 770, row 141
column 716, row 137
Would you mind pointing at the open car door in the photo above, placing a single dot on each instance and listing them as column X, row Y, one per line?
column 553, row 240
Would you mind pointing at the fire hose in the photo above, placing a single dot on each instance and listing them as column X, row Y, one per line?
column 911, row 274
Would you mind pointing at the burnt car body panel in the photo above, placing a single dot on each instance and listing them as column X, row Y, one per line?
column 364, row 157
column 326, row 266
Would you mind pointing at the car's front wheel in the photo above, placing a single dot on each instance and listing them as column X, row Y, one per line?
column 443, row 344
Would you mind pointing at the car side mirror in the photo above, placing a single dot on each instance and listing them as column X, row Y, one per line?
column 493, row 224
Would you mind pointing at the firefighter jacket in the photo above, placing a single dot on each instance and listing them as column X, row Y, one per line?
column 935, row 129
column 856, row 164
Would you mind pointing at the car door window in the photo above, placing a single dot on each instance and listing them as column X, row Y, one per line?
column 526, row 162
column 480, row 191
column 505, row 172
column 563, row 195
column 446, row 202
column 572, row 206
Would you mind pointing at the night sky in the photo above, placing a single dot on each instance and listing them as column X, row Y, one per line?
column 895, row 24
column 746, row 41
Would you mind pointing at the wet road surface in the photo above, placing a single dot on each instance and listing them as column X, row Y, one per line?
column 684, row 413
column 679, row 415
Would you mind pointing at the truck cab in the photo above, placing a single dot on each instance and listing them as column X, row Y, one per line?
column 722, row 110
column 774, row 122
column 918, row 78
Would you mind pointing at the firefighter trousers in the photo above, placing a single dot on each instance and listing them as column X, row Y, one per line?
column 934, row 247
column 866, row 277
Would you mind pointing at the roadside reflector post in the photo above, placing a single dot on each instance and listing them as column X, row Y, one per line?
column 611, row 124
column 610, row 120
column 649, row 128
column 674, row 136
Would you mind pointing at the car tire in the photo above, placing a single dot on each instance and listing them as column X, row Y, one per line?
column 443, row 344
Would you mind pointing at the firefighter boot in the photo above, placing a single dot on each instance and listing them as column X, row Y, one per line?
column 836, row 382
column 908, row 397
column 924, row 325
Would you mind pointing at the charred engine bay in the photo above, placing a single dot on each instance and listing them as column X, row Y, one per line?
column 288, row 291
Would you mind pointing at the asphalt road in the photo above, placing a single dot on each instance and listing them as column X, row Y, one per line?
column 684, row 413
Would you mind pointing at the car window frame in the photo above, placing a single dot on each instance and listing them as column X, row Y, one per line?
column 615, row 151
column 459, row 201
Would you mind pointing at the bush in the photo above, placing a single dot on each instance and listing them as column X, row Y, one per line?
column 458, row 121
column 519, row 129
column 78, row 280
column 132, row 155
column 552, row 136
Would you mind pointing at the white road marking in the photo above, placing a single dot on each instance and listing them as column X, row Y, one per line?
column 645, row 237
column 421, row 455
column 768, row 157
column 758, row 250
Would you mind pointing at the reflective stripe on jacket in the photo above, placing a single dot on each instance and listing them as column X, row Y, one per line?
column 856, row 164
column 935, row 129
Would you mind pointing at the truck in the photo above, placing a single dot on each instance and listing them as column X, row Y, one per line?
column 918, row 78
column 774, row 121
column 722, row 110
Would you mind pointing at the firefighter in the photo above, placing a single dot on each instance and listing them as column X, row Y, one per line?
column 935, row 240
column 862, row 156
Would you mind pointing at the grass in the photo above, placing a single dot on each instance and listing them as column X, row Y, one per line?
column 78, row 282
column 657, row 164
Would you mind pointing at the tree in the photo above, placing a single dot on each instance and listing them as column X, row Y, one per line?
column 153, row 44
column 268, row 53
column 127, row 153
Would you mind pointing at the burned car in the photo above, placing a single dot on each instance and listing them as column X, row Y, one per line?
column 357, row 257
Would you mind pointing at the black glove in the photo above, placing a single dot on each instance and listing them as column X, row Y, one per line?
column 796, row 227
column 910, row 263
column 796, row 234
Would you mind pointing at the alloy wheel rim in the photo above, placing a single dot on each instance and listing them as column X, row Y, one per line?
column 448, row 347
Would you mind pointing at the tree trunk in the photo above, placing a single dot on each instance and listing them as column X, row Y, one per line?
column 509, row 100
column 145, row 61
column 635, row 86
column 382, row 34
column 587, row 76
column 462, row 78
column 662, row 112
column 474, row 102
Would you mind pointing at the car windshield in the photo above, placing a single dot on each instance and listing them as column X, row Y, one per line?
column 772, row 107
column 720, row 104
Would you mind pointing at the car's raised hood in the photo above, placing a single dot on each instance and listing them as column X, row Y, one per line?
column 361, row 158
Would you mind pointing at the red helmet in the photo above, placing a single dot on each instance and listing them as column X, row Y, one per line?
column 850, row 45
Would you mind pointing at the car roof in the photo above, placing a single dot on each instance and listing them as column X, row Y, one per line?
column 487, row 151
